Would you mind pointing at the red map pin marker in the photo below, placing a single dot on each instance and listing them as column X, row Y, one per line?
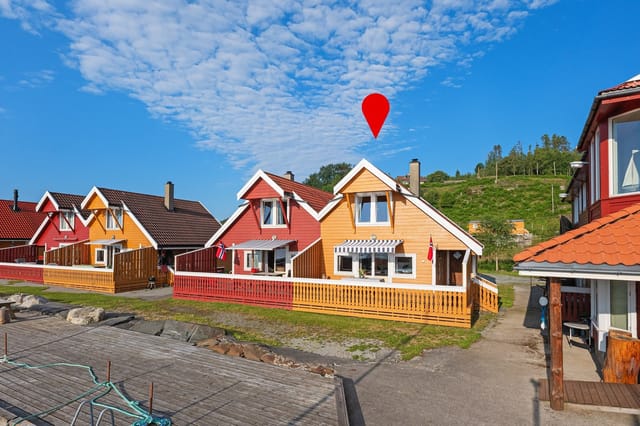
column 375, row 108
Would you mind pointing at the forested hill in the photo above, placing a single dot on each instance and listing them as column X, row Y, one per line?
column 532, row 198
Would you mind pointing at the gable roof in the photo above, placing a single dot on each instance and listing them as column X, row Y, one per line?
column 21, row 224
column 629, row 85
column 421, row 204
column 189, row 225
column 611, row 243
column 311, row 199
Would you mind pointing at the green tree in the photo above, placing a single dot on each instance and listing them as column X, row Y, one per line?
column 437, row 176
column 496, row 235
column 328, row 176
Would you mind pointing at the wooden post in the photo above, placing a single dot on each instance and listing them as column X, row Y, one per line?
column 6, row 348
column 555, row 343
column 108, row 371
column 151, row 398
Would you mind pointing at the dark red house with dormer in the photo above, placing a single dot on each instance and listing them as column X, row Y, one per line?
column 606, row 180
column 278, row 219
column 601, row 254
column 64, row 223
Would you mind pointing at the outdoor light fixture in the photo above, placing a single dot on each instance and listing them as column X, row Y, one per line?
column 578, row 164
column 563, row 195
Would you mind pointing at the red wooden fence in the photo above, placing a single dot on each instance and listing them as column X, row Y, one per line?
column 235, row 289
column 21, row 271
column 21, row 254
column 576, row 303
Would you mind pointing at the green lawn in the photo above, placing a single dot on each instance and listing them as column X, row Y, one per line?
column 274, row 326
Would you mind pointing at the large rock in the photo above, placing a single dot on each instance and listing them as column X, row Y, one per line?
column 177, row 330
column 148, row 327
column 26, row 301
column 204, row 332
column 85, row 316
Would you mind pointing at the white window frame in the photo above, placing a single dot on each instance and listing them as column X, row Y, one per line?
column 257, row 254
column 64, row 226
column 594, row 168
column 354, row 265
column 374, row 208
column 119, row 215
column 412, row 275
column 275, row 205
column 104, row 256
column 613, row 158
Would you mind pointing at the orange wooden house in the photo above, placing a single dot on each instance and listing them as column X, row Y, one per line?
column 377, row 229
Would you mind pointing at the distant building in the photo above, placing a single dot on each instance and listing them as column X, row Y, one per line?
column 519, row 231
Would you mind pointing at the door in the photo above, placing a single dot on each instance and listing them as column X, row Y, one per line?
column 441, row 267
column 455, row 267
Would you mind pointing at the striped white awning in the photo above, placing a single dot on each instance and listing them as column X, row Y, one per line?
column 260, row 244
column 367, row 246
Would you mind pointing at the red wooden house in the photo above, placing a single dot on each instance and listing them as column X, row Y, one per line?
column 64, row 223
column 19, row 221
column 600, row 256
column 278, row 219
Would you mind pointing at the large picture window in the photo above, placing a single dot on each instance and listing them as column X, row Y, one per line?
column 372, row 209
column 271, row 213
column 625, row 153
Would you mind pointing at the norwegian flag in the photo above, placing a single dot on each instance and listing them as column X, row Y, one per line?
column 430, row 253
column 221, row 253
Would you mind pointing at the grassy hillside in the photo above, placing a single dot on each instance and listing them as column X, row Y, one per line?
column 513, row 197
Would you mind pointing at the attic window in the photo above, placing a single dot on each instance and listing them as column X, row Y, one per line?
column 271, row 213
column 114, row 222
column 67, row 221
column 372, row 209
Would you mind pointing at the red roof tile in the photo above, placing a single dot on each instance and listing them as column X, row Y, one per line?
column 611, row 240
column 629, row 84
column 316, row 198
column 189, row 224
column 21, row 224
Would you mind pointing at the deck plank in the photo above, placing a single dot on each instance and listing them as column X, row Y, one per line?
column 596, row 393
column 191, row 385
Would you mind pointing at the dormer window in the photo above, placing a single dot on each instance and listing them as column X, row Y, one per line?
column 625, row 153
column 67, row 220
column 372, row 209
column 271, row 213
column 114, row 221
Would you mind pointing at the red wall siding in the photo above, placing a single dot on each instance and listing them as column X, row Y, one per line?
column 261, row 189
column 52, row 237
column 302, row 227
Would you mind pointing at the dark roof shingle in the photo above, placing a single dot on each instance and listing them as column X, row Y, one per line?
column 188, row 225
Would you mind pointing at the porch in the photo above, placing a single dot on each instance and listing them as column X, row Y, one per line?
column 427, row 304
column 68, row 267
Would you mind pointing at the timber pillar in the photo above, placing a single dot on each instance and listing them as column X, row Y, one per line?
column 555, row 343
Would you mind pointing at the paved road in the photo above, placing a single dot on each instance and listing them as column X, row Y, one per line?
column 491, row 383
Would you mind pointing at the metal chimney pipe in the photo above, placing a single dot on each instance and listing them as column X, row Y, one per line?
column 15, row 200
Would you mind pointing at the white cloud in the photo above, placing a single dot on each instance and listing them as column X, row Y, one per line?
column 37, row 78
column 276, row 85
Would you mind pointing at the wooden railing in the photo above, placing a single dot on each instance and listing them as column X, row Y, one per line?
column 443, row 305
column 305, row 263
column 203, row 260
column 88, row 278
column 412, row 303
column 21, row 271
column 485, row 294
column 21, row 254
column 245, row 289
column 576, row 303
column 74, row 254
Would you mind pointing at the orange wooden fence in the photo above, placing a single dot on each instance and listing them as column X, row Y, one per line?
column 485, row 294
column 305, row 263
column 85, row 278
column 203, row 260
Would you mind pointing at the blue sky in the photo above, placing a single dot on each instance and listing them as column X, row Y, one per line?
column 130, row 94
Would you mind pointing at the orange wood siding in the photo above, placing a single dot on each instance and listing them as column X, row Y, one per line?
column 364, row 181
column 411, row 225
column 130, row 232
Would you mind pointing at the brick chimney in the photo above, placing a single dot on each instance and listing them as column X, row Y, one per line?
column 15, row 200
column 289, row 175
column 168, row 196
column 414, row 176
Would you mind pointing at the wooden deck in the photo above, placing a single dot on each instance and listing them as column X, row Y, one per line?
column 600, row 394
column 191, row 385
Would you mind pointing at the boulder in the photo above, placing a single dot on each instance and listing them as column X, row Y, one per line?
column 253, row 352
column 30, row 300
column 235, row 350
column 204, row 332
column 85, row 316
column 177, row 330
column 148, row 327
